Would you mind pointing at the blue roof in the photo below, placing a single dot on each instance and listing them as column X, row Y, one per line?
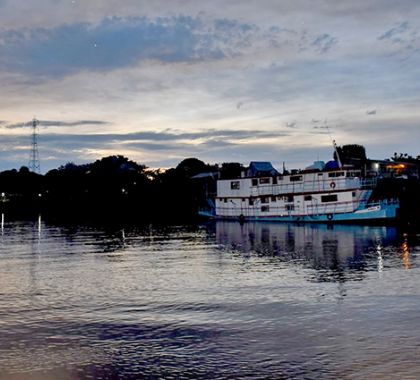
column 261, row 168
column 332, row 165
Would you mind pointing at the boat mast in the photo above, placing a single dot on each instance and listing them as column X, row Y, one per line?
column 334, row 146
column 338, row 156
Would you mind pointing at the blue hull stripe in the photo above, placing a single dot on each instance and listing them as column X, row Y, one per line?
column 385, row 211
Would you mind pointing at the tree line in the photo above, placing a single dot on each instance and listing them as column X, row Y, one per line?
column 110, row 186
column 116, row 186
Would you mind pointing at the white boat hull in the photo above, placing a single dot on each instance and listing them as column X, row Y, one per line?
column 378, row 212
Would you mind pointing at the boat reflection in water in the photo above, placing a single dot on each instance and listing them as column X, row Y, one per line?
column 335, row 251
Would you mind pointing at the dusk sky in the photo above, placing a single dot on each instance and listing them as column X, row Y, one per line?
column 223, row 81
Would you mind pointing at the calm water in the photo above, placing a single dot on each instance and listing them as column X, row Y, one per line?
column 219, row 301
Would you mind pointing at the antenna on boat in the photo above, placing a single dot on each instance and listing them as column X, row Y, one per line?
column 334, row 145
column 337, row 154
column 284, row 169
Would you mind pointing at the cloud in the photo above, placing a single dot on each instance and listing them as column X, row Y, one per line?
column 181, row 68
column 117, row 42
column 52, row 123
column 150, row 138
column 324, row 42
column 168, row 147
column 56, row 148
column 404, row 37
column 394, row 33
column 168, row 135
column 290, row 125
column 321, row 127
column 319, row 132
column 112, row 43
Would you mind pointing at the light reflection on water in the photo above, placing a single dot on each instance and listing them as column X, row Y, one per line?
column 224, row 300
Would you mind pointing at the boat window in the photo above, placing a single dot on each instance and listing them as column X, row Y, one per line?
column 274, row 180
column 264, row 180
column 235, row 185
column 290, row 207
column 353, row 193
column 353, row 174
column 336, row 174
column 251, row 201
column 308, row 197
column 264, row 199
column 243, row 199
column 225, row 200
column 329, row 198
column 320, row 174
column 254, row 182
column 295, row 178
column 265, row 208
column 273, row 199
column 288, row 198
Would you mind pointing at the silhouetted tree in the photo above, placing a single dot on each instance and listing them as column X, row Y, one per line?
column 178, row 194
column 112, row 184
column 353, row 154
column 191, row 167
column 231, row 170
column 23, row 190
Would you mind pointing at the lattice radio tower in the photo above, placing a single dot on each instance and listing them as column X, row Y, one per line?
column 34, row 164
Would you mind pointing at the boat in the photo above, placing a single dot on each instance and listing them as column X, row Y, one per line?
column 319, row 194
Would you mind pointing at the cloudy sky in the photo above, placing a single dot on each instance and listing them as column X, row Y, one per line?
column 221, row 80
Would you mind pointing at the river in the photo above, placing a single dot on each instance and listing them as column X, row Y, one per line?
column 214, row 301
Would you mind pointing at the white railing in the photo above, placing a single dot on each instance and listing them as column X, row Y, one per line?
column 273, row 210
column 312, row 186
column 286, row 186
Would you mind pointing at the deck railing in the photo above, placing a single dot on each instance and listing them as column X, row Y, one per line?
column 312, row 209
column 333, row 184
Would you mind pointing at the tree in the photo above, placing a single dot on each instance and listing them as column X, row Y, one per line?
column 231, row 170
column 191, row 167
column 353, row 154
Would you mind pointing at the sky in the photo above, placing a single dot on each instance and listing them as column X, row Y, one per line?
column 159, row 81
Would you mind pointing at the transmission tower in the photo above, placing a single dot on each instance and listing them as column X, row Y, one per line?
column 34, row 164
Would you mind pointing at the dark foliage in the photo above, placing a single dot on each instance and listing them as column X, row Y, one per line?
column 110, row 187
column 177, row 194
column 231, row 170
column 353, row 154
column 117, row 187
column 21, row 190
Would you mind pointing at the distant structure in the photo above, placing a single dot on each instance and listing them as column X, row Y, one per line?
column 34, row 164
